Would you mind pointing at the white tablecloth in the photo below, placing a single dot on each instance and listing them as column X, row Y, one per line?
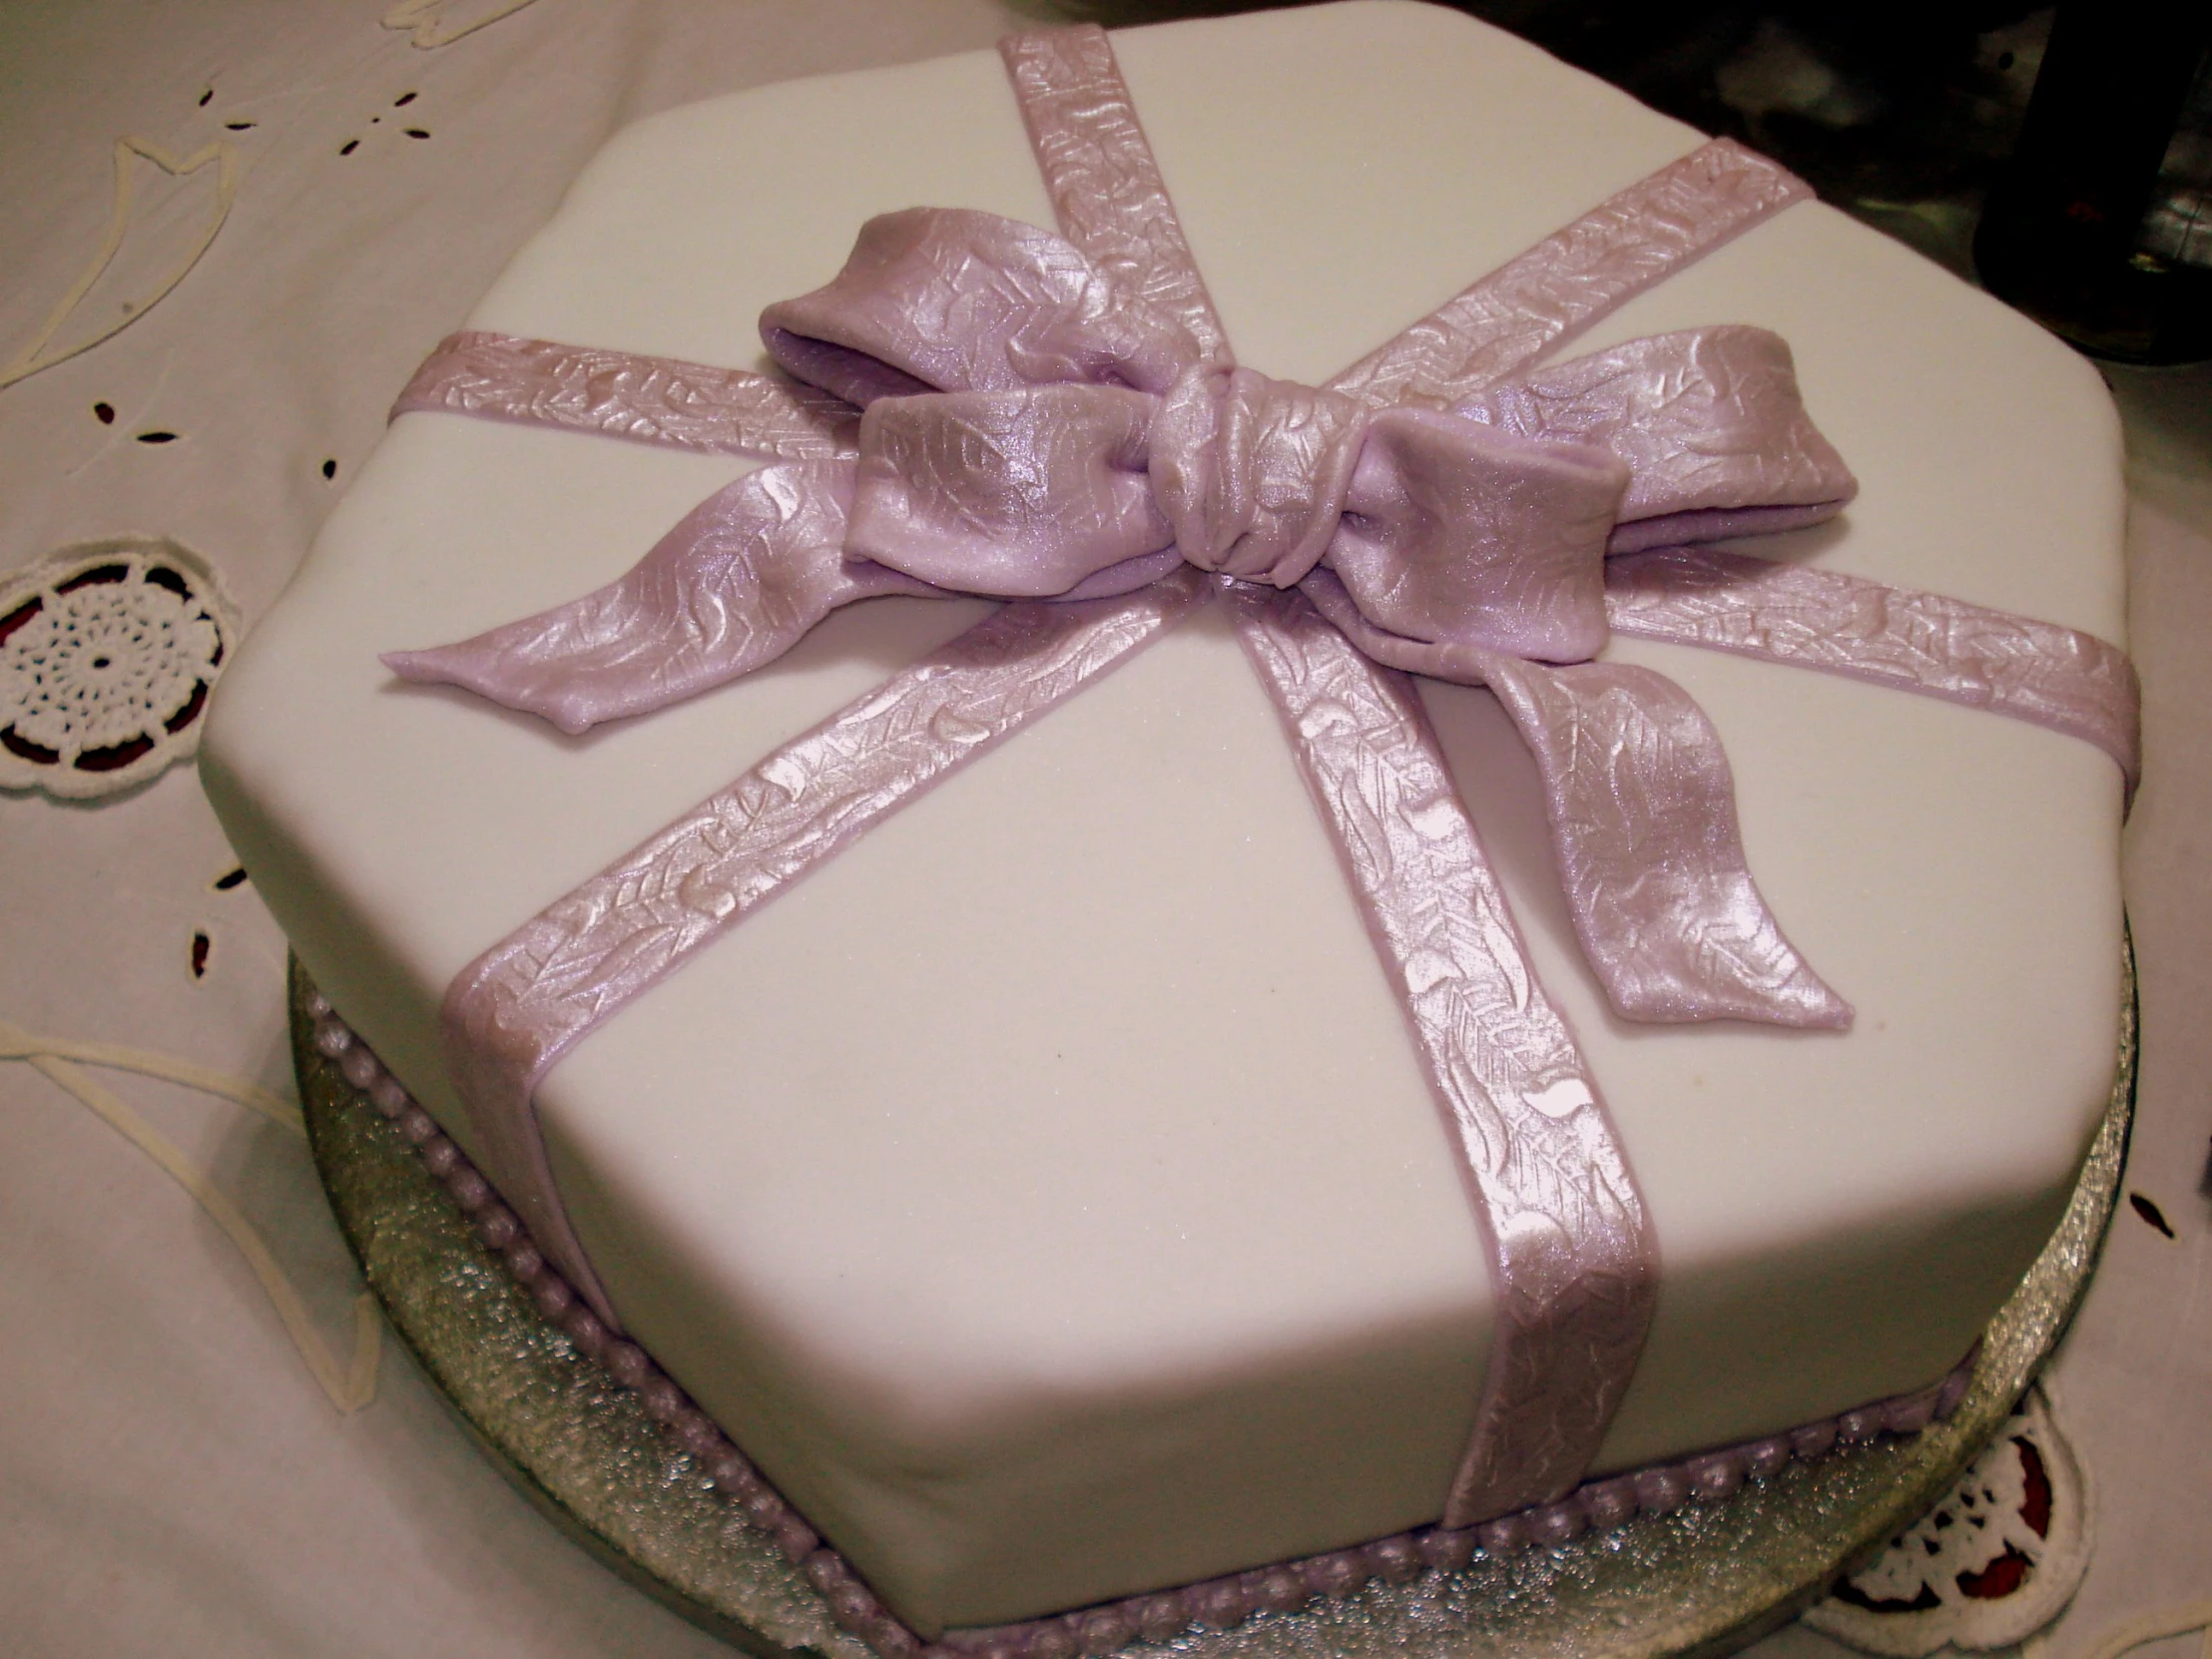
column 171, row 1479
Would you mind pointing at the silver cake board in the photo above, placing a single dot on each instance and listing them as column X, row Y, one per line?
column 1705, row 1579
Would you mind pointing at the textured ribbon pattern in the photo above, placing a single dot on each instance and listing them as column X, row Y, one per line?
column 978, row 406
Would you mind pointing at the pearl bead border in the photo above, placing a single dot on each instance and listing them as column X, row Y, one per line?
column 1161, row 1615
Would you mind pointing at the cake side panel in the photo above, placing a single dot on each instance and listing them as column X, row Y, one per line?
column 1149, row 1152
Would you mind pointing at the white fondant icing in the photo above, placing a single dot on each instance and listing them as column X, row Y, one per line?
column 1044, row 1192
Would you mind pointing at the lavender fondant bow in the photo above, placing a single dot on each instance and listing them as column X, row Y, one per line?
column 1029, row 429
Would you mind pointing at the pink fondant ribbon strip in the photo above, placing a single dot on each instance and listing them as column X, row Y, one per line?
column 1573, row 1259
column 1919, row 642
column 1537, row 301
column 618, row 395
column 1082, row 431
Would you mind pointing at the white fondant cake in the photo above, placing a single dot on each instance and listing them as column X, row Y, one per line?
column 1044, row 1192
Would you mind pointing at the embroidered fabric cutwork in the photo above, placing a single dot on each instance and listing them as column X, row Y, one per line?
column 223, row 155
column 2183, row 1619
column 1993, row 1563
column 107, row 651
column 349, row 1386
column 430, row 28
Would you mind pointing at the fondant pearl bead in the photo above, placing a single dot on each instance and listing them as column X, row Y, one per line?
column 1334, row 1573
column 1713, row 1476
column 1558, row 1523
column 664, row 1400
column 1052, row 1639
column 795, row 1539
column 1103, row 1629
column 851, row 1606
column 1221, row 1603
column 440, row 1156
column 1504, row 1536
column 890, row 1638
column 418, row 1125
column 331, row 1039
column 523, row 1261
column 318, row 1005
column 743, row 1483
column 1909, row 1414
column 1280, row 1590
column 1159, row 1616
column 1608, row 1503
column 358, row 1067
column 1446, row 1546
column 826, row 1570
column 726, row 1468
column 387, row 1096
column 1661, row 1492
column 1857, row 1427
column 1764, row 1458
column 694, row 1431
column 552, row 1296
column 497, row 1227
column 470, row 1190
column 1394, row 1559
column 1813, row 1440
column 585, row 1330
column 626, row 1361
column 763, row 1508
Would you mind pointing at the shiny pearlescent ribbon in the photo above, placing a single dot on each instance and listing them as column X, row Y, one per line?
column 756, row 565
column 1573, row 1260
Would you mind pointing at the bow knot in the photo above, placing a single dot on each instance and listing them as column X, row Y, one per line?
column 1252, row 471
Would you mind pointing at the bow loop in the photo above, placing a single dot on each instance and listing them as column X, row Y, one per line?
column 1709, row 421
column 1016, row 495
column 951, row 299
column 1455, row 533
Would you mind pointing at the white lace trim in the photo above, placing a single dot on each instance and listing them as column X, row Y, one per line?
column 1988, row 1566
column 107, row 651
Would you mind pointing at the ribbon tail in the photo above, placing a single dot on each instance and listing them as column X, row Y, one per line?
column 1572, row 1255
column 1642, row 808
column 735, row 584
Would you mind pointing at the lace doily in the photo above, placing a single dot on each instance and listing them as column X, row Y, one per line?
column 1988, row 1566
column 107, row 651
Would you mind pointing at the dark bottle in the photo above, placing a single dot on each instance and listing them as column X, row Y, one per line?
column 2100, row 227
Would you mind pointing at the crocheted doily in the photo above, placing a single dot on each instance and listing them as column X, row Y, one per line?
column 1988, row 1566
column 107, row 651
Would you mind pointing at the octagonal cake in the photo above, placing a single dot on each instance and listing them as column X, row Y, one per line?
column 1045, row 1192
